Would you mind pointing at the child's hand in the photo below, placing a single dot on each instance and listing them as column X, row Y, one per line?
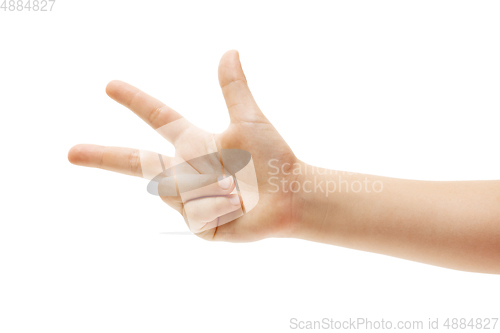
column 205, row 190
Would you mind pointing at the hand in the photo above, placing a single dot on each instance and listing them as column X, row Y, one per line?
column 213, row 210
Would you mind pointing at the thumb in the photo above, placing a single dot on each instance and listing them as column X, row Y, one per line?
column 239, row 99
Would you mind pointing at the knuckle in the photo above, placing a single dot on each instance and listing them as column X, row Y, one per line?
column 135, row 162
column 204, row 210
column 155, row 113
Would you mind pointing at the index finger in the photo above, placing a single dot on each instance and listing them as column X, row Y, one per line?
column 154, row 112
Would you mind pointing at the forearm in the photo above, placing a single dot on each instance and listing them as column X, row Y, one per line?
column 450, row 224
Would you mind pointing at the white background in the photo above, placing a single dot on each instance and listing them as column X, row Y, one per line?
column 396, row 88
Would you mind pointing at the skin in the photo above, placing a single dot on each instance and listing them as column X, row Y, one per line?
column 449, row 224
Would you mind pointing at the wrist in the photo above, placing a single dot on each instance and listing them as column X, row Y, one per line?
column 311, row 203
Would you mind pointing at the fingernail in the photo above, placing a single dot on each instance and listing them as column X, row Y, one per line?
column 225, row 183
column 235, row 200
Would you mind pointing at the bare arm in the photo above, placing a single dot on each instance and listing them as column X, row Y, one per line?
column 449, row 224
